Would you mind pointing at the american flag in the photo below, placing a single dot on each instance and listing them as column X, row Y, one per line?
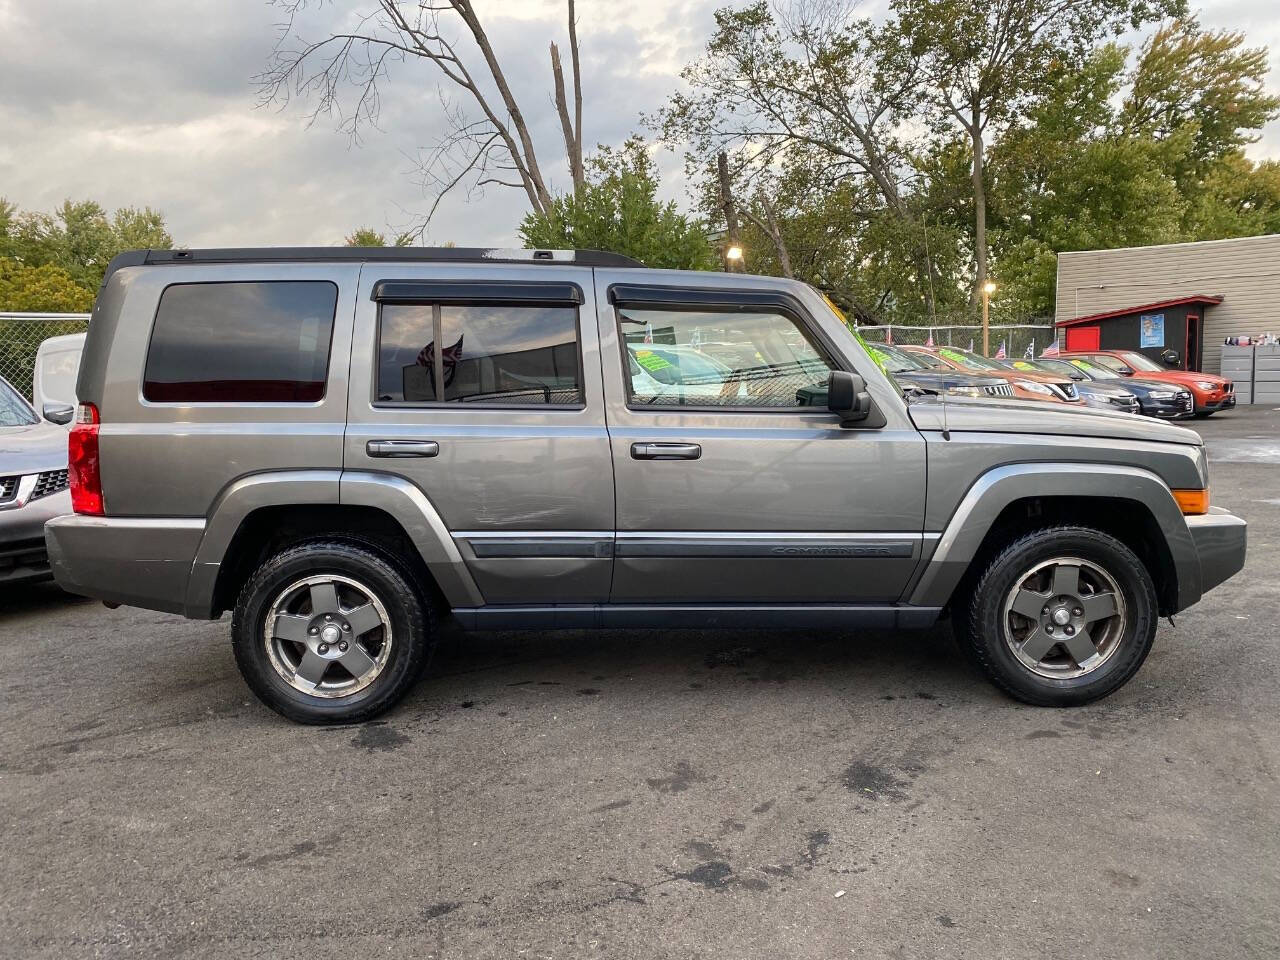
column 929, row 342
column 451, row 356
column 1000, row 354
column 1051, row 350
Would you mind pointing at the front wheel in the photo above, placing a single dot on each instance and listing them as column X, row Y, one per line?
column 330, row 632
column 1062, row 616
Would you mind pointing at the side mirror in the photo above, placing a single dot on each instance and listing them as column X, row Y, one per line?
column 1125, row 371
column 847, row 397
column 1170, row 358
column 59, row 413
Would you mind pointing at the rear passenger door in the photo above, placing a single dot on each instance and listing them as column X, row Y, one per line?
column 481, row 386
column 735, row 484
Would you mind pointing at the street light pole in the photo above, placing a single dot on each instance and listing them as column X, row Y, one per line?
column 988, row 288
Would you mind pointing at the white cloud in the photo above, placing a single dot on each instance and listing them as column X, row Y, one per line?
column 152, row 103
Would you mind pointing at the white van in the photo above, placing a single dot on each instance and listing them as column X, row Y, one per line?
column 53, row 385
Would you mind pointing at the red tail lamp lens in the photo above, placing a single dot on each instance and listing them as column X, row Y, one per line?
column 83, row 467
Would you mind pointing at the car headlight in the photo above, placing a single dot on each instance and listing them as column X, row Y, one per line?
column 1124, row 400
column 965, row 391
column 1035, row 387
column 1205, row 385
column 1163, row 395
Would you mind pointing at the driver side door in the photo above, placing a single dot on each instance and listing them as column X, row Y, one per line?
column 734, row 483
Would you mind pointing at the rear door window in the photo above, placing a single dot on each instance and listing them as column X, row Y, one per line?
column 242, row 342
column 507, row 354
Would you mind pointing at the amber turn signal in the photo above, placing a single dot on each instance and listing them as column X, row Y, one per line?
column 1193, row 502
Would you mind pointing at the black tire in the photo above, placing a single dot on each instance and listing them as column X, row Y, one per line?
column 1203, row 414
column 409, row 613
column 980, row 630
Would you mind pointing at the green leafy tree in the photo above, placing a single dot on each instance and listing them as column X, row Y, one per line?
column 369, row 237
column 986, row 62
column 1203, row 83
column 811, row 105
column 80, row 238
column 617, row 209
column 43, row 289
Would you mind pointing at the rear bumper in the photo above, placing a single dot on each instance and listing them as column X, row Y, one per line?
column 132, row 561
column 1220, row 539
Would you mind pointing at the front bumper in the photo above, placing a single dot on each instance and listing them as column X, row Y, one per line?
column 132, row 561
column 22, row 546
column 1220, row 539
column 1225, row 402
column 1172, row 409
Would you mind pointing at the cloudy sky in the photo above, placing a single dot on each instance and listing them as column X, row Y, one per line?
column 152, row 102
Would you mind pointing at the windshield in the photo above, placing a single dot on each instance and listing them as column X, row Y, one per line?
column 892, row 360
column 1031, row 366
column 1140, row 362
column 1097, row 371
column 972, row 360
column 14, row 411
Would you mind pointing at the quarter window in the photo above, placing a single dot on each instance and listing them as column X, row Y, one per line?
column 476, row 353
column 721, row 359
column 241, row 342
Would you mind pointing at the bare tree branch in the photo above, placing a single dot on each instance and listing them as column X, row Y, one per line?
column 341, row 77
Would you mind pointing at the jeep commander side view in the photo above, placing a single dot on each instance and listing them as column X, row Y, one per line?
column 345, row 446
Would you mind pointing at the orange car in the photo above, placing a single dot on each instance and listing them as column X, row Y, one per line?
column 1026, row 386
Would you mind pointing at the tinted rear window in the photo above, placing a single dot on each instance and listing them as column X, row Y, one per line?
column 241, row 342
column 508, row 354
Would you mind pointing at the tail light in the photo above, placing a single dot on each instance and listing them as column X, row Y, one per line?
column 83, row 467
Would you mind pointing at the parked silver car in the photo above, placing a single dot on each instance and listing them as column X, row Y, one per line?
column 33, row 485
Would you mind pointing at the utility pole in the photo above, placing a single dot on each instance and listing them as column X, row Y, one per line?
column 731, row 262
column 988, row 289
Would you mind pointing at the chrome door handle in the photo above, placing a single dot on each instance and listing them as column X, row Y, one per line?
column 402, row 448
column 665, row 451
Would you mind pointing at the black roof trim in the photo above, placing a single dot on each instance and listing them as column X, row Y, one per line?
column 694, row 298
column 465, row 291
column 575, row 258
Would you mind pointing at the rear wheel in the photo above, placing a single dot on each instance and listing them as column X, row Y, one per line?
column 1062, row 616
column 330, row 632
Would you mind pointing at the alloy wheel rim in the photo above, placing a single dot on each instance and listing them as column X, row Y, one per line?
column 1064, row 618
column 327, row 636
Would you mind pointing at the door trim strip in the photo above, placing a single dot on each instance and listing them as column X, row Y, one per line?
column 781, row 545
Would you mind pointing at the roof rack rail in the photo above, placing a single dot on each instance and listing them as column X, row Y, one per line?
column 581, row 258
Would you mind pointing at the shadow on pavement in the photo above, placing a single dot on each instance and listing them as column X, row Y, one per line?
column 21, row 598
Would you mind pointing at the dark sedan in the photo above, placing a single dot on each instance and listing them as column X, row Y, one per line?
column 1155, row 398
column 1095, row 393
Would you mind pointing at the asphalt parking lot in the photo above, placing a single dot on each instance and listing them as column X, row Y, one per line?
column 652, row 794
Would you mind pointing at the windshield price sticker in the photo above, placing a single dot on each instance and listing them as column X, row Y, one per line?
column 651, row 361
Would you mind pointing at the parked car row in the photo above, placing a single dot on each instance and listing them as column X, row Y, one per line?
column 1122, row 381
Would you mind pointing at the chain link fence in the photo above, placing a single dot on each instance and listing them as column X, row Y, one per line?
column 1017, row 338
column 20, row 337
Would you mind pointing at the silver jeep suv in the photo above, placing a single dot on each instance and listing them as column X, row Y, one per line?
column 344, row 447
